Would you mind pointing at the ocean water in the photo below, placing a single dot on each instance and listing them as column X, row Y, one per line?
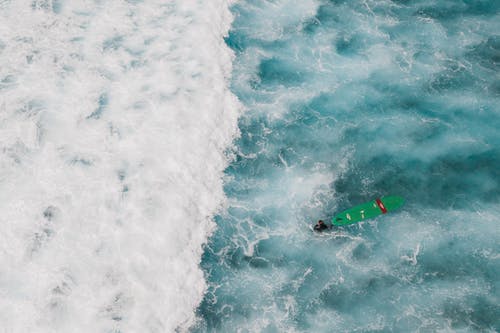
column 346, row 101
column 115, row 117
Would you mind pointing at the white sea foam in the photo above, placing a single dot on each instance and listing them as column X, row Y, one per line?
column 114, row 118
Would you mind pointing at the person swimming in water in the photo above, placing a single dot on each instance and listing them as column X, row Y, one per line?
column 320, row 226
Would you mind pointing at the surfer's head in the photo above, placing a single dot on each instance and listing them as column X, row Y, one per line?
column 320, row 226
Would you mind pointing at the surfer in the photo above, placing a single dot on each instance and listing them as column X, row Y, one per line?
column 320, row 226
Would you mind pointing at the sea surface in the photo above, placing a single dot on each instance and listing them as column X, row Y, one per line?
column 346, row 101
column 162, row 163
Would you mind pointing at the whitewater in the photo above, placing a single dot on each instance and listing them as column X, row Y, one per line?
column 115, row 118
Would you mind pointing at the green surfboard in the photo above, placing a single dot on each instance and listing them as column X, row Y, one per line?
column 368, row 210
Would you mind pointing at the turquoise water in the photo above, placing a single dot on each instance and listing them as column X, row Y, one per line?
column 347, row 101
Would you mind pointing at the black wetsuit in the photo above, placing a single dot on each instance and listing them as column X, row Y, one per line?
column 320, row 227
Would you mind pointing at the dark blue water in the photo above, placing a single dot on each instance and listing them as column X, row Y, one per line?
column 347, row 101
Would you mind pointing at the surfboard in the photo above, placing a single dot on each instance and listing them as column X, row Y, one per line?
column 368, row 210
